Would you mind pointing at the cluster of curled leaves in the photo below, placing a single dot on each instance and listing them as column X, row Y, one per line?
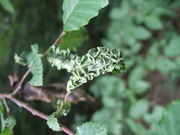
column 97, row 61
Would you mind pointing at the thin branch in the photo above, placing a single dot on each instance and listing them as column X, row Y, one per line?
column 23, row 105
column 21, row 82
column 64, row 100
column 29, row 108
column 56, row 42
column 66, row 96
column 6, row 105
column 33, row 111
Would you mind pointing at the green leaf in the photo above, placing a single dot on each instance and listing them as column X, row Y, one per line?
column 7, row 131
column 140, row 86
column 33, row 61
column 141, row 33
column 91, row 128
column 137, row 128
column 114, row 126
column 36, row 67
column 7, row 124
column 66, row 108
column 108, row 86
column 6, row 4
column 74, row 39
column 165, row 65
column 173, row 49
column 139, row 109
column 77, row 13
column 10, row 122
column 20, row 60
column 97, row 61
column 136, row 75
column 1, row 107
column 53, row 123
column 153, row 23
column 62, row 110
column 155, row 116
column 169, row 124
column 119, row 13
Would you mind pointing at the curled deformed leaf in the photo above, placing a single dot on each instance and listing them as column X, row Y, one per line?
column 97, row 61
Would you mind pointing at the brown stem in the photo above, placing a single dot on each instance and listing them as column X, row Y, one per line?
column 33, row 111
column 6, row 105
column 29, row 108
column 56, row 42
column 64, row 100
column 21, row 82
column 66, row 97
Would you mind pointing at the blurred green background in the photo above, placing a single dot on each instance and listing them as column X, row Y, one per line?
column 147, row 31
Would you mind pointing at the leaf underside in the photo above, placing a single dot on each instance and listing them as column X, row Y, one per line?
column 77, row 13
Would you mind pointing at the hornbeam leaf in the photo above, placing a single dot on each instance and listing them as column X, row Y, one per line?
column 6, row 4
column 53, row 123
column 77, row 13
column 97, row 61
column 34, row 62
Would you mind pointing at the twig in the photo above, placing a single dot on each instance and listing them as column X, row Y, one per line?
column 66, row 96
column 56, row 42
column 64, row 100
column 21, row 82
column 29, row 108
column 6, row 105
column 33, row 111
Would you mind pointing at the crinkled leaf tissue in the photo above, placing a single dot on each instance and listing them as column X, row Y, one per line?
column 97, row 61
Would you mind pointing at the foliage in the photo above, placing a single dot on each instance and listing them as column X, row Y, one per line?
column 96, row 62
column 172, row 49
column 6, row 4
column 113, row 108
column 169, row 124
column 91, row 129
column 53, row 123
column 77, row 13
column 33, row 61
column 7, row 123
column 74, row 39
column 147, row 32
